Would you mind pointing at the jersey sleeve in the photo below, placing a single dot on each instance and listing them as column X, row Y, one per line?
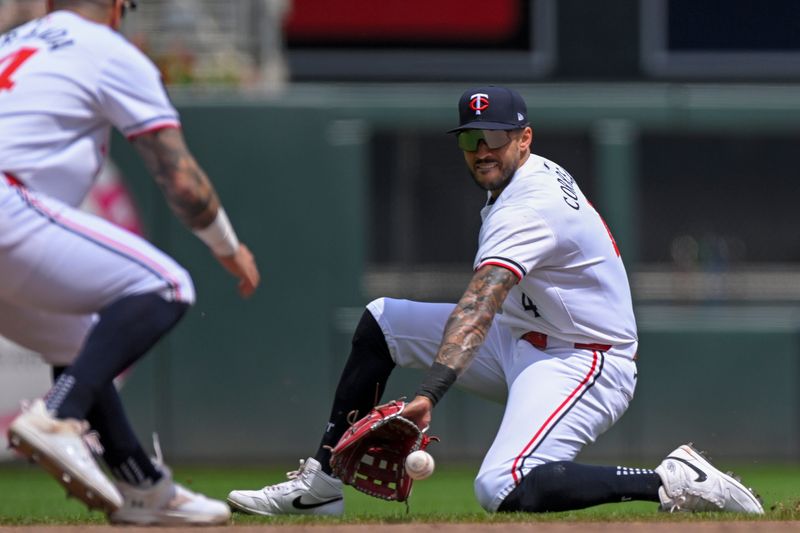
column 516, row 238
column 133, row 96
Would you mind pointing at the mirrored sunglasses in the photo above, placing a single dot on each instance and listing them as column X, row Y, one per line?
column 468, row 139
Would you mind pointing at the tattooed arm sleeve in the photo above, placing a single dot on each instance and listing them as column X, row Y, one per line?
column 188, row 191
column 470, row 321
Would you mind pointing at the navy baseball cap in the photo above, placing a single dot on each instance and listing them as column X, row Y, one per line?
column 491, row 108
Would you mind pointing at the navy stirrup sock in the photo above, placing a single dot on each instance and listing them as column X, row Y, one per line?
column 566, row 486
column 361, row 385
column 127, row 329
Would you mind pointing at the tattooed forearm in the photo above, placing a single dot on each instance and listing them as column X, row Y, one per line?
column 470, row 321
column 187, row 189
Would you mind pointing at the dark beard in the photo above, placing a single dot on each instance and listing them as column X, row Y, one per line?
column 497, row 185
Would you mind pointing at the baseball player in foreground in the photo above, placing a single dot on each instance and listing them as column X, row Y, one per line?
column 545, row 327
column 90, row 297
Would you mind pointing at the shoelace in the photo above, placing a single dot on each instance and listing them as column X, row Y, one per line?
column 690, row 498
column 676, row 503
column 292, row 475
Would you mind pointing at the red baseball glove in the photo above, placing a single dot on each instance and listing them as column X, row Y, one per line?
column 371, row 455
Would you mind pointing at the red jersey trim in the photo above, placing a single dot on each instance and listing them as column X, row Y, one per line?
column 507, row 266
column 12, row 179
column 157, row 127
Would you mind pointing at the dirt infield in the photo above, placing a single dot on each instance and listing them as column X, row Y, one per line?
column 540, row 527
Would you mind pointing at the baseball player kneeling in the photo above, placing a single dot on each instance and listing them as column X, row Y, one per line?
column 545, row 327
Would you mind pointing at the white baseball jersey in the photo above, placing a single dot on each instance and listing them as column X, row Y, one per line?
column 572, row 288
column 573, row 285
column 64, row 81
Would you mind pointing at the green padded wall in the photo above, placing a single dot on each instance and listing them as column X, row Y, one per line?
column 234, row 370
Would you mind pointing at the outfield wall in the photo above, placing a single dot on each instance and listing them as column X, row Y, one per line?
column 251, row 381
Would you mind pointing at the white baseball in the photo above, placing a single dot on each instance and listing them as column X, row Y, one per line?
column 419, row 464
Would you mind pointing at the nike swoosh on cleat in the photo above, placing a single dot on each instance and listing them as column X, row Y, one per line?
column 297, row 504
column 701, row 476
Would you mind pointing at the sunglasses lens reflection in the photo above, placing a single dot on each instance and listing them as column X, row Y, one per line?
column 468, row 139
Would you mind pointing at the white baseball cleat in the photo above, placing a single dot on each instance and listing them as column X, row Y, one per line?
column 167, row 503
column 58, row 446
column 308, row 491
column 691, row 483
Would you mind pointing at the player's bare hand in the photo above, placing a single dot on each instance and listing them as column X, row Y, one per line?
column 419, row 411
column 243, row 266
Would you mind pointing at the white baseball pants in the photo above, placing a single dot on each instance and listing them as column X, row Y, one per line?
column 59, row 266
column 557, row 400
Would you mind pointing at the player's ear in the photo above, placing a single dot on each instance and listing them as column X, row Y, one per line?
column 116, row 14
column 527, row 138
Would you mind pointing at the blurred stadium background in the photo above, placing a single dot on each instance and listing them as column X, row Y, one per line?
column 321, row 122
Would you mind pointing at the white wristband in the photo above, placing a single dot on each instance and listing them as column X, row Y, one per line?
column 219, row 235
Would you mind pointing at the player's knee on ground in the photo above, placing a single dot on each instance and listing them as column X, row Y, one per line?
column 486, row 489
column 540, row 491
column 492, row 482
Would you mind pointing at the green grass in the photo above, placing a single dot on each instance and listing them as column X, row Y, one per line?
column 29, row 496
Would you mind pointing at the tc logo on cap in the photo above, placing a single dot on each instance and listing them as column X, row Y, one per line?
column 479, row 102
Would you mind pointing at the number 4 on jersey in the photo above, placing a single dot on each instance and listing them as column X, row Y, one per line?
column 10, row 63
column 528, row 305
